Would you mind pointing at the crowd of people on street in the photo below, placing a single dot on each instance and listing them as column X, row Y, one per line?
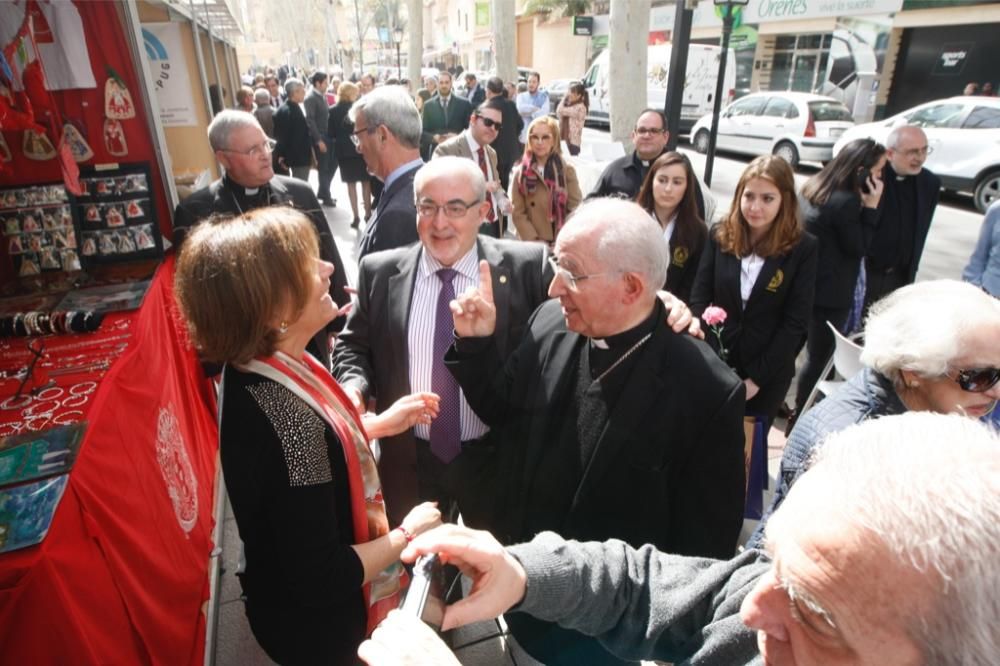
column 560, row 368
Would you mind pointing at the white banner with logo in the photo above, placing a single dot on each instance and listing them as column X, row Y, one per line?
column 169, row 70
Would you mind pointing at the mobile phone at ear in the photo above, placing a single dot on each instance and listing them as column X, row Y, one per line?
column 864, row 174
column 425, row 597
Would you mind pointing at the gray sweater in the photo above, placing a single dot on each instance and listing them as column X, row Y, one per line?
column 643, row 604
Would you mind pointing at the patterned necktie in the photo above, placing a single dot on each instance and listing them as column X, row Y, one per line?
column 446, row 429
column 490, row 214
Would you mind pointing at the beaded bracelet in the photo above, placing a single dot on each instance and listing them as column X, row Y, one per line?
column 408, row 535
column 64, row 418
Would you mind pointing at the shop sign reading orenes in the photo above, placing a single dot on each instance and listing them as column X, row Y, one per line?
column 771, row 11
column 763, row 11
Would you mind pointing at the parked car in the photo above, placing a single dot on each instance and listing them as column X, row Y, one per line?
column 699, row 82
column 795, row 126
column 963, row 134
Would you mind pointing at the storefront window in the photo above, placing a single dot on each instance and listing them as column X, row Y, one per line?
column 800, row 61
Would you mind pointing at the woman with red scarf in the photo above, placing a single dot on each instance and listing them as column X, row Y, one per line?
column 322, row 564
column 544, row 189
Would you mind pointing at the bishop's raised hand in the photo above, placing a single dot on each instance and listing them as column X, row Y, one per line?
column 474, row 313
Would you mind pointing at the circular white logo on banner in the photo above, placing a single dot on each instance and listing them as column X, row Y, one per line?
column 175, row 466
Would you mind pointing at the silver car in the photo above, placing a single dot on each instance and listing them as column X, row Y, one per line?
column 799, row 127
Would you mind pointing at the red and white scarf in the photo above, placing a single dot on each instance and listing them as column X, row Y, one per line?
column 308, row 380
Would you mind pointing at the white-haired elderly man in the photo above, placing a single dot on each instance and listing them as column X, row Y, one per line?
column 948, row 363
column 249, row 182
column 294, row 150
column 387, row 130
column 884, row 554
column 905, row 211
column 617, row 426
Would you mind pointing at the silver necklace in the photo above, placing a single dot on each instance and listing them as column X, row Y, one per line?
column 624, row 356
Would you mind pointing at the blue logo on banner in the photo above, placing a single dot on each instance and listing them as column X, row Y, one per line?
column 154, row 47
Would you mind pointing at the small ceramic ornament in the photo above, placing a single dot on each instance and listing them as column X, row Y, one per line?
column 36, row 146
column 77, row 144
column 117, row 99
column 114, row 138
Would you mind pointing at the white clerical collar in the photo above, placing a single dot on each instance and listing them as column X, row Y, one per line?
column 251, row 191
column 600, row 343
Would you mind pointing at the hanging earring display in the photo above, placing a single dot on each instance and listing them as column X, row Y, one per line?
column 36, row 146
column 117, row 99
column 114, row 138
column 77, row 144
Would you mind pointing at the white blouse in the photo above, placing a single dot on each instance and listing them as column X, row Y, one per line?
column 750, row 267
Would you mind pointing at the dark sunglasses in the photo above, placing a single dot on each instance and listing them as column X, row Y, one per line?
column 978, row 380
column 489, row 122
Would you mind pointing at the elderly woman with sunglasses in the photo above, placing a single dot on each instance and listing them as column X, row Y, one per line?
column 929, row 347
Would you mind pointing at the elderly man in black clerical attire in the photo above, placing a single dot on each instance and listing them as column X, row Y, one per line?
column 244, row 152
column 614, row 425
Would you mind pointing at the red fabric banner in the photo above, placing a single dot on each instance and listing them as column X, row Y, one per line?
column 122, row 576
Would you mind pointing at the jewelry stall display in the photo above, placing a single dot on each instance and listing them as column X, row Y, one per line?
column 26, row 511
column 46, row 383
column 117, row 216
column 38, row 231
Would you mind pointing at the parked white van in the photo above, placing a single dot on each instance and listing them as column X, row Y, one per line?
column 699, row 84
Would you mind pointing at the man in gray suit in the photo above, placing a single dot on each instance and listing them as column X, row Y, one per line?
column 474, row 144
column 387, row 134
column 317, row 112
column 388, row 348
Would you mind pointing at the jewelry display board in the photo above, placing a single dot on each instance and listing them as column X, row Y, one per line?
column 38, row 229
column 116, row 215
column 46, row 229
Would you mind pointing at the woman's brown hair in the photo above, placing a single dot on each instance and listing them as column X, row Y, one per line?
column 689, row 230
column 733, row 233
column 236, row 277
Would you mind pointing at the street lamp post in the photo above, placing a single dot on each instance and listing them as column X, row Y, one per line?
column 397, row 37
column 727, row 29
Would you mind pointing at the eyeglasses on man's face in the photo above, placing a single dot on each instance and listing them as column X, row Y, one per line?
column 356, row 135
column 913, row 153
column 649, row 131
column 453, row 209
column 255, row 151
column 572, row 280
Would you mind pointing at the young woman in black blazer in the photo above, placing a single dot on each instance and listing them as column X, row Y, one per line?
column 841, row 212
column 760, row 267
column 668, row 195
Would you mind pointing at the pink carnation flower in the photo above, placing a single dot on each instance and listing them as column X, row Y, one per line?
column 714, row 315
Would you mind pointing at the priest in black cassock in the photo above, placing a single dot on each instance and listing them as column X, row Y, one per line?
column 612, row 425
column 244, row 151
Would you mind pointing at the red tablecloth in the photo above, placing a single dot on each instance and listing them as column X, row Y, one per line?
column 122, row 576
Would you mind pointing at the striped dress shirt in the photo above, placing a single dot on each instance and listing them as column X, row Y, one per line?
column 420, row 333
